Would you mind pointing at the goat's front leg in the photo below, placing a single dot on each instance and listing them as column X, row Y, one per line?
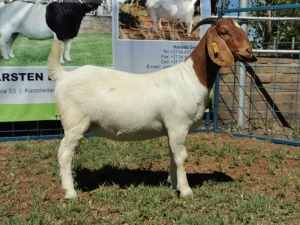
column 65, row 154
column 10, row 45
column 154, row 19
column 189, row 28
column 67, row 49
column 189, row 24
column 178, row 154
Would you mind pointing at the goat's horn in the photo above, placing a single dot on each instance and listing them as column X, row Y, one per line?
column 212, row 21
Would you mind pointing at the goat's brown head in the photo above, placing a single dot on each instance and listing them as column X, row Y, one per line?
column 227, row 42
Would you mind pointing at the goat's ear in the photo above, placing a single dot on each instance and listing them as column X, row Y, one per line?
column 217, row 49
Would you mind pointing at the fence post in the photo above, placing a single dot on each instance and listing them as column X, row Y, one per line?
column 242, row 80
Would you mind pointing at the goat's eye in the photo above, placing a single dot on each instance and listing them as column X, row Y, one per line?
column 224, row 35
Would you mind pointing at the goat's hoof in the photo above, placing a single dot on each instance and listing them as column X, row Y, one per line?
column 187, row 193
column 72, row 195
column 169, row 180
column 67, row 58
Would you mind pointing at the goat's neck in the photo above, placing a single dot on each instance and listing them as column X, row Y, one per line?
column 205, row 69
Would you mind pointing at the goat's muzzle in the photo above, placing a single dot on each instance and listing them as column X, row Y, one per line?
column 246, row 56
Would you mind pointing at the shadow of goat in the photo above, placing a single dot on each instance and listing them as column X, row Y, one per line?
column 88, row 180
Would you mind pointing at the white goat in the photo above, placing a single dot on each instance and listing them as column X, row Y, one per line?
column 128, row 107
column 28, row 19
column 172, row 10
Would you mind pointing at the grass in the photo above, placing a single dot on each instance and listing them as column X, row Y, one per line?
column 95, row 49
column 124, row 183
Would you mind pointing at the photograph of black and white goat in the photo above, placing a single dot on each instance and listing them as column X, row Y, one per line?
column 129, row 107
column 29, row 19
column 24, row 18
column 171, row 10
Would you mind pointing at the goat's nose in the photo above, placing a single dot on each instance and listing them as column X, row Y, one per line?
column 252, row 58
column 249, row 50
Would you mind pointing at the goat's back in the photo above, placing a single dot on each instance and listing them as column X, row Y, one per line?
column 173, row 10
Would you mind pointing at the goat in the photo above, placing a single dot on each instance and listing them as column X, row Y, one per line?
column 28, row 19
column 64, row 18
column 172, row 10
column 129, row 107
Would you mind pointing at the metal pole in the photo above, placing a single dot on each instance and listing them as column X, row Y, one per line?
column 242, row 80
column 217, row 87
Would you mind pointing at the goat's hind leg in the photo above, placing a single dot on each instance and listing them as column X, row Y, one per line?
column 5, row 46
column 4, row 50
column 70, row 142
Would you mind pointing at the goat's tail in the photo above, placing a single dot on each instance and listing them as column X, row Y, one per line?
column 55, row 70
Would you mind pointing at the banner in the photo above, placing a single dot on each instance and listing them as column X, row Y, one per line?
column 149, row 50
column 27, row 94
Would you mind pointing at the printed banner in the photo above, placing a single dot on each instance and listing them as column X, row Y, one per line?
column 141, row 49
column 30, row 85
column 26, row 93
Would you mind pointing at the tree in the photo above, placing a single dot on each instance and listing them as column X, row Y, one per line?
column 282, row 33
column 272, row 34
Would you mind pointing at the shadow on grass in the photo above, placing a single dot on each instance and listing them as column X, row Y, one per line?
column 88, row 180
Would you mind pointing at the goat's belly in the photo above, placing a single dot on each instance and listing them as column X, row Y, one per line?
column 127, row 134
column 37, row 34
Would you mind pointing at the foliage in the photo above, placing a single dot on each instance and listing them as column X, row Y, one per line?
column 273, row 34
column 280, row 32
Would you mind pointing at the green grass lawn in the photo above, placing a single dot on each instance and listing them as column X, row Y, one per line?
column 235, row 181
column 95, row 49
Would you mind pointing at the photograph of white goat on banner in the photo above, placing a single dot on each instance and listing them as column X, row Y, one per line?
column 23, row 24
column 158, row 19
